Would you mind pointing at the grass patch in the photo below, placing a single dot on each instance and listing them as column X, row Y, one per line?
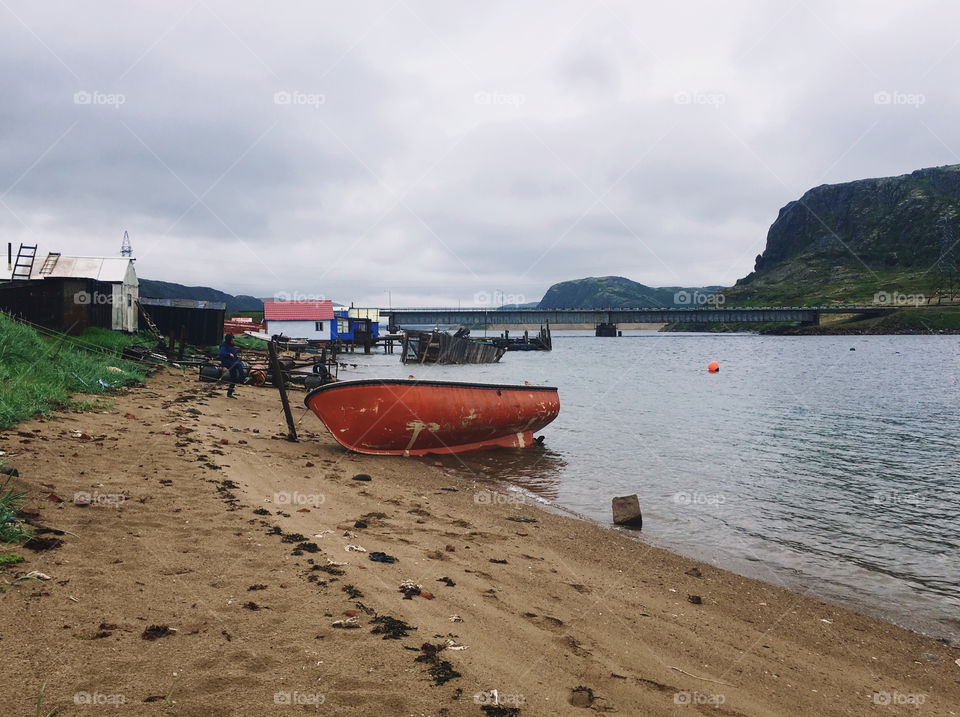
column 10, row 559
column 248, row 342
column 111, row 341
column 38, row 374
column 12, row 530
column 906, row 321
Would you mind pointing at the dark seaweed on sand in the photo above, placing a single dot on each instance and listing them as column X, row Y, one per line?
column 390, row 628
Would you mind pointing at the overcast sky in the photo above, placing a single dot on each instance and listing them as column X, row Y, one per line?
column 446, row 152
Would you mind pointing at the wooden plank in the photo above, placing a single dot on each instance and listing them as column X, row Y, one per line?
column 278, row 380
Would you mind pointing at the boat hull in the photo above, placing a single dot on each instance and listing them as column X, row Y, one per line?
column 410, row 417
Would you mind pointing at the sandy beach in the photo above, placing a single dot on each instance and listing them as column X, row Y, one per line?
column 222, row 570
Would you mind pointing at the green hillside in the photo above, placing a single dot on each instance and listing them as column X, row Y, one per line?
column 859, row 241
column 169, row 290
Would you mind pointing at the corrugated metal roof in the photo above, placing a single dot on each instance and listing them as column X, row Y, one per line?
column 298, row 310
column 101, row 268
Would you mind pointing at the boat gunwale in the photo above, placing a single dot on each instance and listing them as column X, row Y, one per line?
column 424, row 382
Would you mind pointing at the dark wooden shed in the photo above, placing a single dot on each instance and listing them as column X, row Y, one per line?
column 200, row 322
column 61, row 304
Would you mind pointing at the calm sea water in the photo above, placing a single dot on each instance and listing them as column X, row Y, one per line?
column 802, row 462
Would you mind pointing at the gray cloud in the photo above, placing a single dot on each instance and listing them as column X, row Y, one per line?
column 437, row 151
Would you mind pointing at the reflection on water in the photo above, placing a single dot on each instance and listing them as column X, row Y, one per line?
column 536, row 470
column 802, row 462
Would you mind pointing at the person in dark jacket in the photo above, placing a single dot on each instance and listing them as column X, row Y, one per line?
column 231, row 361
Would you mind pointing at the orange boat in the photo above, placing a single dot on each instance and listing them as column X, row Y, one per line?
column 414, row 418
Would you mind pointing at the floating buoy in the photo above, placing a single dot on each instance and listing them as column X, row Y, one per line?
column 713, row 367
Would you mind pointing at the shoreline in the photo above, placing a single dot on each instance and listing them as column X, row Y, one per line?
column 547, row 604
column 821, row 589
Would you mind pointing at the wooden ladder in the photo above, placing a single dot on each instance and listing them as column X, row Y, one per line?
column 152, row 326
column 23, row 267
column 49, row 263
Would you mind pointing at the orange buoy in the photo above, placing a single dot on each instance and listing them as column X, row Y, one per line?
column 713, row 367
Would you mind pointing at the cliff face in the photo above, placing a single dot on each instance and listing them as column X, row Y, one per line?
column 861, row 237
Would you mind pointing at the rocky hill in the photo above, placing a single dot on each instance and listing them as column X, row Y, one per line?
column 168, row 290
column 609, row 292
column 847, row 242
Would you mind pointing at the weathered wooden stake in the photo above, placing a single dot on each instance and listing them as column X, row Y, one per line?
column 278, row 380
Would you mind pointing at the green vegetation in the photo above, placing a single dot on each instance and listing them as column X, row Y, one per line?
column 255, row 315
column 248, row 342
column 12, row 530
column 808, row 280
column 39, row 372
column 111, row 341
column 931, row 320
column 10, row 559
column 847, row 243
column 169, row 290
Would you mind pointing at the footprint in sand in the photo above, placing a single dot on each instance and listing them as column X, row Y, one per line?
column 551, row 623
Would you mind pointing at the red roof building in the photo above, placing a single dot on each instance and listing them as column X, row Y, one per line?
column 298, row 310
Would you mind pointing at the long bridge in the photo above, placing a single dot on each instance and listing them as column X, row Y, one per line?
column 558, row 317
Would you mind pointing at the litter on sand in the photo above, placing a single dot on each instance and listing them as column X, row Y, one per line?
column 379, row 557
column 355, row 549
column 349, row 623
column 409, row 589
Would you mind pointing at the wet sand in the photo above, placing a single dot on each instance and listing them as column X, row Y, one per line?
column 206, row 522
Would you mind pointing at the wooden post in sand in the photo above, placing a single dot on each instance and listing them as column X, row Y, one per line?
column 278, row 380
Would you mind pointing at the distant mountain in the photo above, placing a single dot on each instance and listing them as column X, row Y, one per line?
column 528, row 305
column 616, row 292
column 853, row 241
column 168, row 290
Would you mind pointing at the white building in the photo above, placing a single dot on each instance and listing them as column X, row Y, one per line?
column 312, row 320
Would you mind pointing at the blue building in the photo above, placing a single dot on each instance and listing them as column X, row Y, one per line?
column 357, row 326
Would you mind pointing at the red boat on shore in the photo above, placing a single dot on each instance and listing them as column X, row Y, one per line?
column 414, row 418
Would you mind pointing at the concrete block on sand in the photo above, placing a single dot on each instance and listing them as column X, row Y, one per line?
column 626, row 511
